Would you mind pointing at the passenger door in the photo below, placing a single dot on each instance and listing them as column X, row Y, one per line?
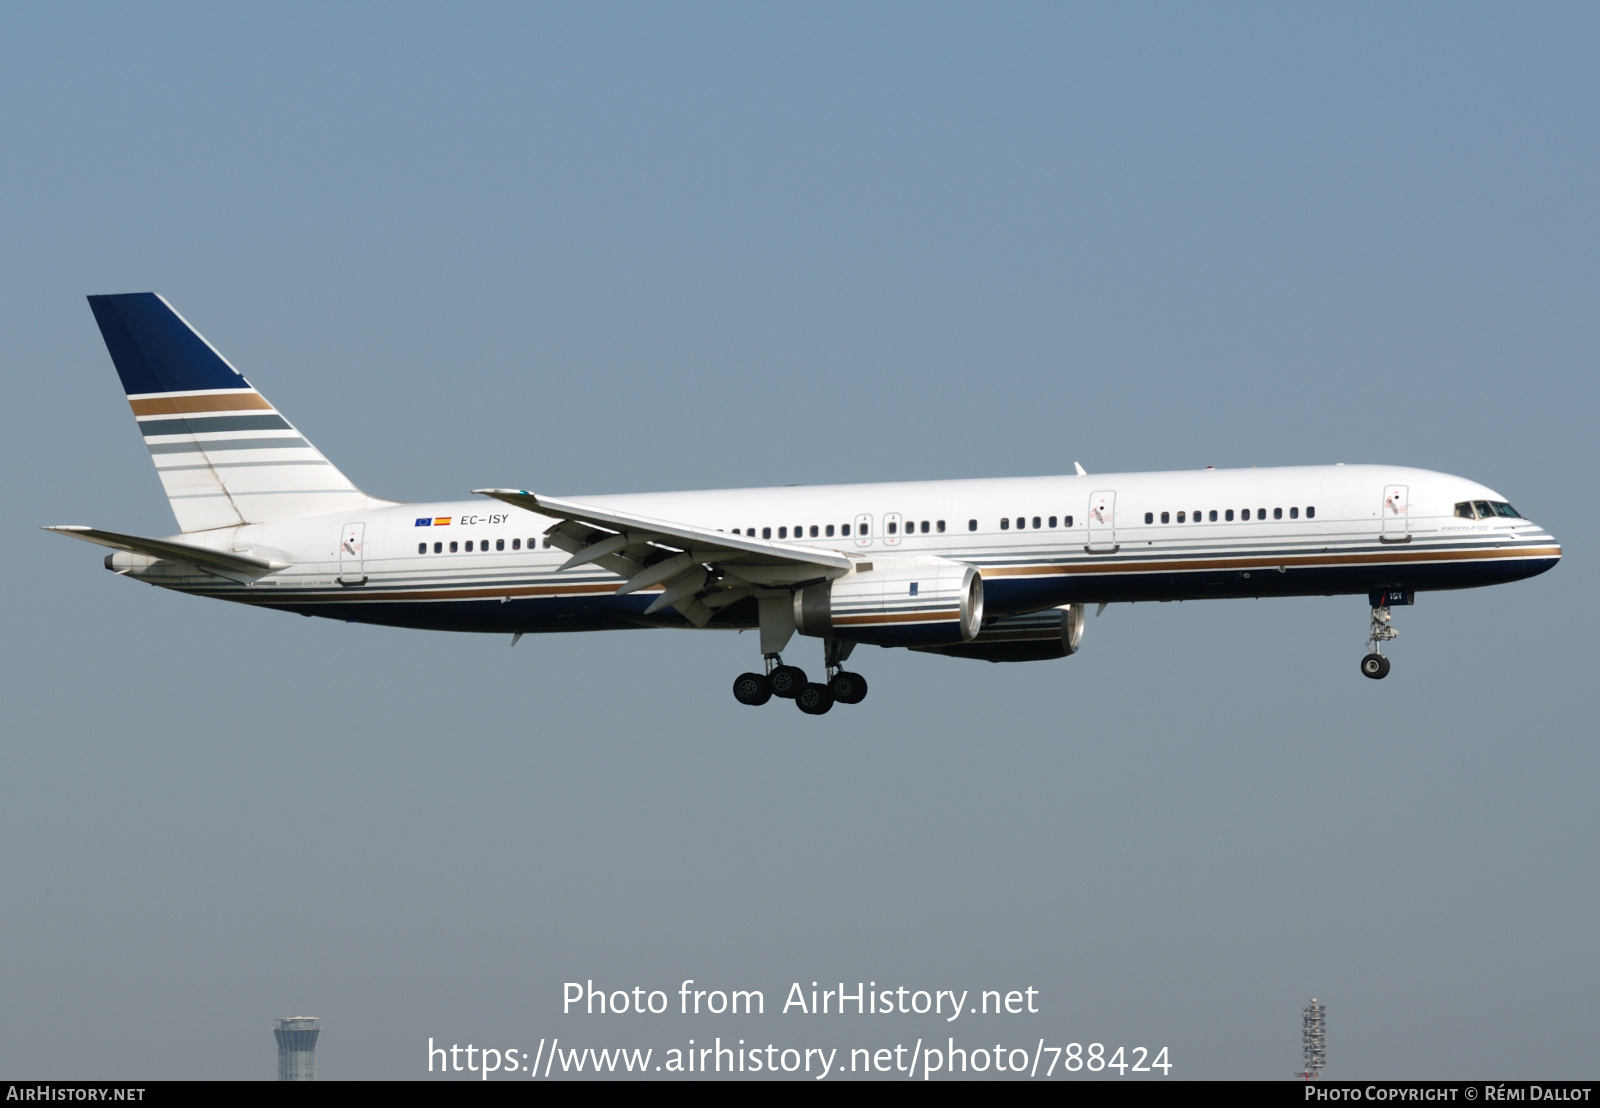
column 1396, row 513
column 1102, row 521
column 352, row 559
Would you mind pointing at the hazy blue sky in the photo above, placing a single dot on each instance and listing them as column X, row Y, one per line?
column 612, row 248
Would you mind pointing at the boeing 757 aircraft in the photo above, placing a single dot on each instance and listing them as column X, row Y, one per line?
column 998, row 570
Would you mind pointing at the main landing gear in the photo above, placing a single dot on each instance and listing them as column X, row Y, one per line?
column 1375, row 665
column 790, row 682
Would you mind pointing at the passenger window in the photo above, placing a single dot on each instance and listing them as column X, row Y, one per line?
column 939, row 527
column 1277, row 513
column 452, row 548
column 438, row 547
column 1036, row 522
column 499, row 544
column 828, row 530
column 893, row 526
column 863, row 530
column 1149, row 517
column 1261, row 513
column 1213, row 515
column 469, row 546
column 516, row 544
column 1294, row 513
column 1311, row 513
column 1180, row 517
column 422, row 548
column 783, row 532
column 1066, row 521
column 972, row 525
column 1165, row 517
column 1052, row 521
column 1005, row 524
column 766, row 532
column 814, row 530
column 1021, row 523
column 845, row 530
column 925, row 527
column 1228, row 515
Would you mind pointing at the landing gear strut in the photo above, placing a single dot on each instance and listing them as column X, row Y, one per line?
column 1375, row 665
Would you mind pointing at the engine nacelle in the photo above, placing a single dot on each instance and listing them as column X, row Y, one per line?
column 928, row 602
column 1033, row 637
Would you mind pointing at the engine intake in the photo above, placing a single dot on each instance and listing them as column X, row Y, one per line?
column 927, row 603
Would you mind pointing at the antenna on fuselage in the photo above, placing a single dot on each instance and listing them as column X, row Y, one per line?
column 1081, row 471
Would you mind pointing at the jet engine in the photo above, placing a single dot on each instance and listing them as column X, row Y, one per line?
column 1032, row 637
column 928, row 602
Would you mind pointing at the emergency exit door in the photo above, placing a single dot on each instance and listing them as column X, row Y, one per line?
column 352, row 557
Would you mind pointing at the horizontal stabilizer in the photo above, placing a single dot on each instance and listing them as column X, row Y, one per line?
column 222, row 563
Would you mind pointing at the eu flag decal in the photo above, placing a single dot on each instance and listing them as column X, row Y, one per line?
column 425, row 522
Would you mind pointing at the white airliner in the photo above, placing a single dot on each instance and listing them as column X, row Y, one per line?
column 999, row 570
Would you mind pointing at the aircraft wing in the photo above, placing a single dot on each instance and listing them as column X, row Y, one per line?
column 223, row 563
column 700, row 570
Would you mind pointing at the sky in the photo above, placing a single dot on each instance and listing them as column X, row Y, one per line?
column 610, row 248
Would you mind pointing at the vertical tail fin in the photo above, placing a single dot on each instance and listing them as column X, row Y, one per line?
column 225, row 456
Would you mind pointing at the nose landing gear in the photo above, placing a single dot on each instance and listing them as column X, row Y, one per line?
column 1375, row 665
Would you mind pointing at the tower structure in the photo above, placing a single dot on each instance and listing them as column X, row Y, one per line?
column 297, row 1047
column 1314, row 1039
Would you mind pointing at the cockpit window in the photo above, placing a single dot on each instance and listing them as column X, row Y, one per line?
column 1486, row 509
